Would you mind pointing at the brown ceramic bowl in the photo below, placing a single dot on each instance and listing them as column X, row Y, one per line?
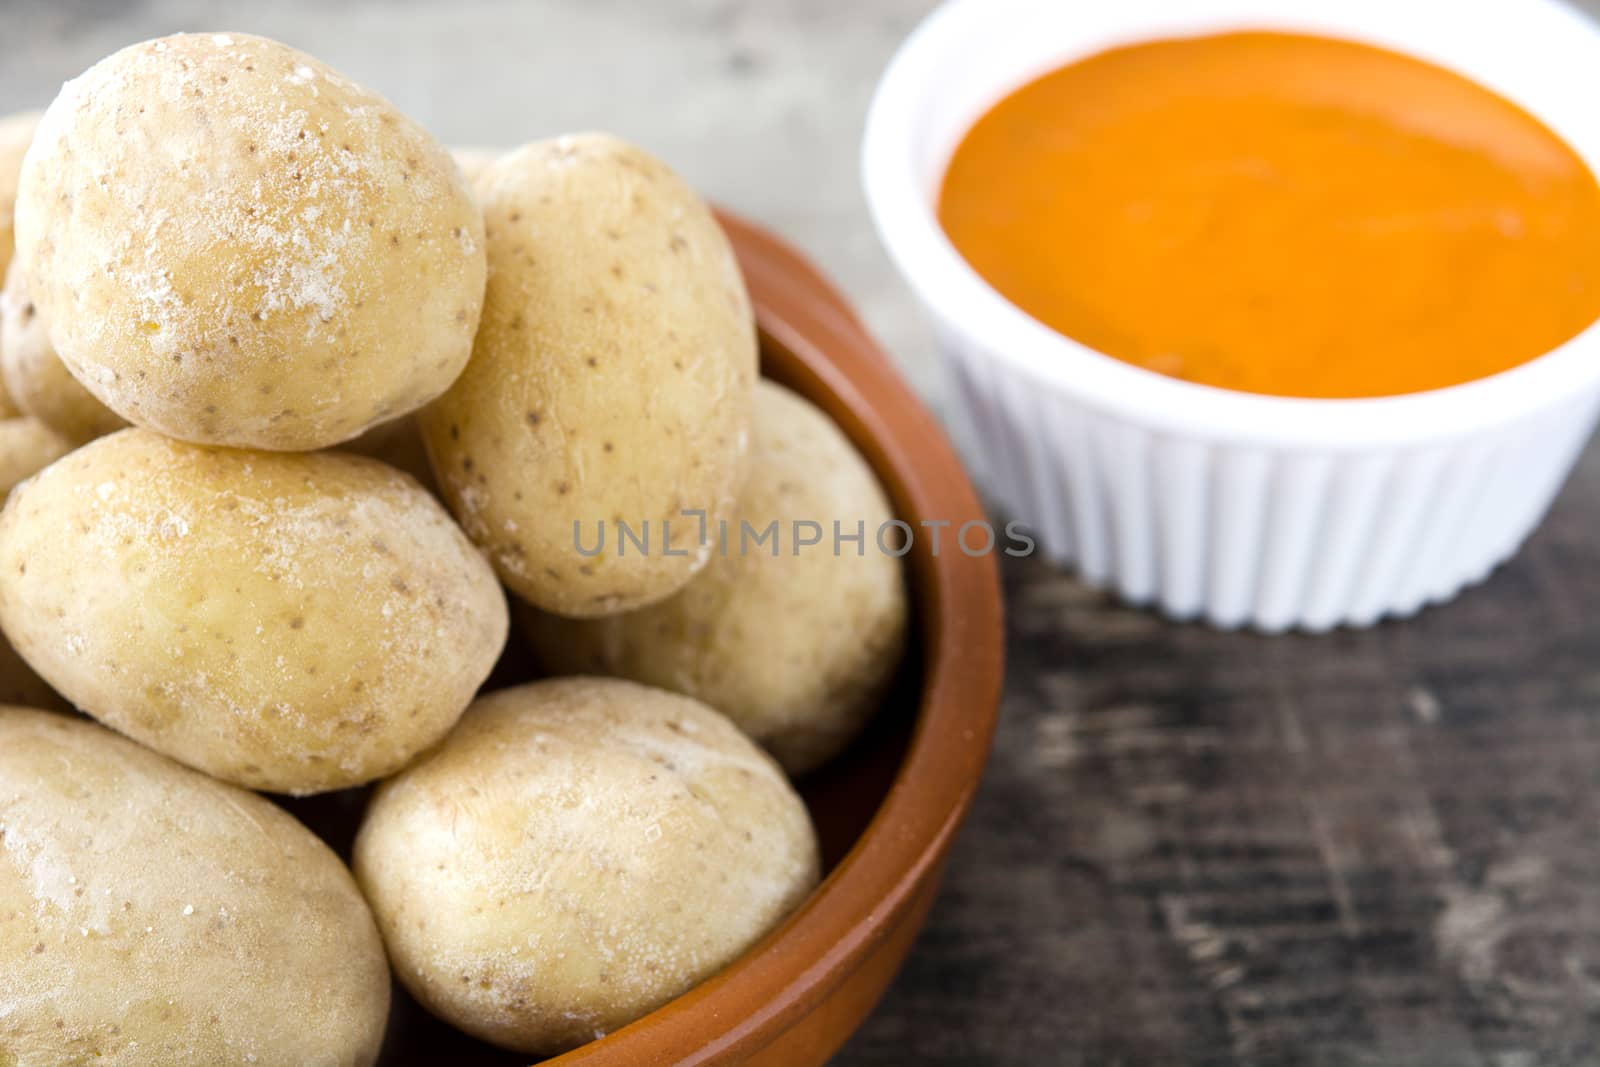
column 889, row 809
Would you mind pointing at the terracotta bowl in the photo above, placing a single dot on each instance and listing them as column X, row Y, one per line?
column 889, row 809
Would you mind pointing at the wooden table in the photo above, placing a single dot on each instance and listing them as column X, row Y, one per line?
column 1195, row 847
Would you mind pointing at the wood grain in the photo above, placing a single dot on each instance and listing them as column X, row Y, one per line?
column 1367, row 848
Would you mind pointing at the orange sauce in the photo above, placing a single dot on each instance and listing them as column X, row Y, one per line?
column 1281, row 214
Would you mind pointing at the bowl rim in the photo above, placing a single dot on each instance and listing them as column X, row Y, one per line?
column 749, row 1004
column 1556, row 43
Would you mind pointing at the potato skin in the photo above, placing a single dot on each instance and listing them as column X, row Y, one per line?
column 38, row 382
column 152, row 916
column 611, row 379
column 797, row 649
column 235, row 245
column 26, row 447
column 293, row 623
column 577, row 853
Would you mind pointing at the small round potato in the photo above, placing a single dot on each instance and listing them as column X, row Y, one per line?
column 577, row 853
column 235, row 245
column 610, row 383
column 294, row 623
column 37, row 381
column 796, row 644
column 151, row 917
column 27, row 446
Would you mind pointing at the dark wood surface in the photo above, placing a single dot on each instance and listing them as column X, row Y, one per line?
column 1365, row 848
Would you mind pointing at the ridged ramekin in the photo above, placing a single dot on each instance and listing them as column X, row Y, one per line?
column 1237, row 508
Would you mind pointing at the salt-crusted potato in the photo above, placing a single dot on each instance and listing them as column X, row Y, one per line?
column 26, row 447
column 797, row 644
column 294, row 623
column 611, row 379
column 38, row 382
column 574, row 855
column 235, row 245
column 152, row 916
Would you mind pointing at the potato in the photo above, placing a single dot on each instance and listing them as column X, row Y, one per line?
column 16, row 133
column 611, row 379
column 295, row 623
column 26, row 447
column 152, row 916
column 38, row 382
column 235, row 245
column 577, row 853
column 797, row 645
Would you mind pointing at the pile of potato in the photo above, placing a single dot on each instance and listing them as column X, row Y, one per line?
column 287, row 406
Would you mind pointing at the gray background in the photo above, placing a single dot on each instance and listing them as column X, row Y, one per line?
column 1372, row 848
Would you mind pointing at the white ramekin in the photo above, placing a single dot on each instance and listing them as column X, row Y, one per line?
column 1236, row 508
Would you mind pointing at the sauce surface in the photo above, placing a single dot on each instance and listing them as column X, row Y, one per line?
column 1281, row 214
